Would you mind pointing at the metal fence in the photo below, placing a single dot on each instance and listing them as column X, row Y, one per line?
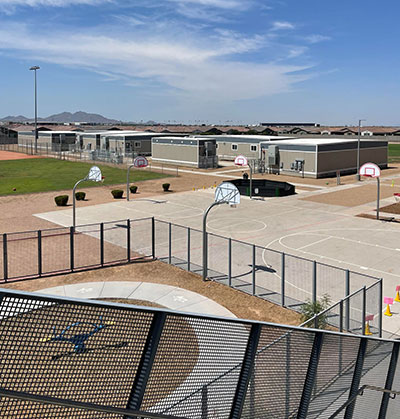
column 274, row 276
column 75, row 358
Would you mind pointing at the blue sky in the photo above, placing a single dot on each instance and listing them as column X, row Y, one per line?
column 213, row 61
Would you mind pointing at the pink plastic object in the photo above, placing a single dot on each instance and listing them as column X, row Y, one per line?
column 387, row 300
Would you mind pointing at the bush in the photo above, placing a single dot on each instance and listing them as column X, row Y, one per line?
column 61, row 200
column 117, row 193
column 80, row 196
column 166, row 186
column 133, row 188
column 310, row 308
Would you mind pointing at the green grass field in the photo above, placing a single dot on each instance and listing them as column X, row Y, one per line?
column 394, row 153
column 41, row 175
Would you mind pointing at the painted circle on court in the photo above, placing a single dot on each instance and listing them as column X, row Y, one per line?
column 236, row 225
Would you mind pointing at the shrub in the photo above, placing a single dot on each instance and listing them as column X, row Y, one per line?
column 80, row 196
column 166, row 186
column 117, row 193
column 61, row 200
column 133, row 188
column 310, row 308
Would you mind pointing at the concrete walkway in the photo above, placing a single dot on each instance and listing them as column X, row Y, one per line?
column 173, row 298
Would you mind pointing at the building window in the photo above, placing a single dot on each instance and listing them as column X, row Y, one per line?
column 253, row 147
column 234, row 147
column 138, row 144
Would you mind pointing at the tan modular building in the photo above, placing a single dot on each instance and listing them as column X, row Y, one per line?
column 317, row 157
column 128, row 142
column 52, row 140
column 90, row 140
column 231, row 146
column 186, row 151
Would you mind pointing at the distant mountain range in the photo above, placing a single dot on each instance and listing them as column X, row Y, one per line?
column 66, row 117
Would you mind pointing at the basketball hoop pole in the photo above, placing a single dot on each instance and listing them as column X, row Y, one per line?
column 74, row 202
column 205, row 239
column 377, row 200
column 127, row 181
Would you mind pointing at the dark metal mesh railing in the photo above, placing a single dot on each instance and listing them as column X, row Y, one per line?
column 57, row 352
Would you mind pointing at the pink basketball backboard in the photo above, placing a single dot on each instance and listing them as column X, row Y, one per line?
column 241, row 161
column 370, row 169
column 369, row 318
column 388, row 300
column 140, row 161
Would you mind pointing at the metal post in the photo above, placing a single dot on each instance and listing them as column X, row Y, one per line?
column 74, row 202
column 188, row 249
column 378, row 197
column 253, row 275
column 341, row 316
column 102, row 244
column 230, row 262
column 128, row 240
column 380, row 306
column 5, row 257
column 314, row 284
column 358, row 150
column 169, row 243
column 287, row 375
column 153, row 238
column 146, row 361
column 364, row 309
column 205, row 241
column 71, row 247
column 204, row 402
column 245, row 373
column 251, row 181
column 283, row 280
column 39, row 236
column 355, row 384
column 389, row 380
column 127, row 181
column 309, row 382
column 347, row 300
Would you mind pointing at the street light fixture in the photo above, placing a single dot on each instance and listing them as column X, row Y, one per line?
column 358, row 177
column 35, row 68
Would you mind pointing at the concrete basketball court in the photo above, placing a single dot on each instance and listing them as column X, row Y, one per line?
column 329, row 234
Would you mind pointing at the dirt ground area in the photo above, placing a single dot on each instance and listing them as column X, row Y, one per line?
column 11, row 155
column 353, row 197
column 242, row 305
column 392, row 209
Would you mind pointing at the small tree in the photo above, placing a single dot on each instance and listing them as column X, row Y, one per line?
column 310, row 308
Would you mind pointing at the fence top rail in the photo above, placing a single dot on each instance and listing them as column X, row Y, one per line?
column 120, row 306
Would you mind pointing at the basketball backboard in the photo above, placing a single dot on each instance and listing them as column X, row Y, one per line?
column 241, row 161
column 370, row 170
column 94, row 174
column 140, row 161
column 227, row 192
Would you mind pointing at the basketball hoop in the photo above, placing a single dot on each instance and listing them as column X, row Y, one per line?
column 372, row 170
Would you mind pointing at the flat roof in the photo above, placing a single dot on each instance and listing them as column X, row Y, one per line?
column 59, row 132
column 322, row 141
column 247, row 138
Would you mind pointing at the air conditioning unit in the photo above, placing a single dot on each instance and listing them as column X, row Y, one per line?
column 273, row 155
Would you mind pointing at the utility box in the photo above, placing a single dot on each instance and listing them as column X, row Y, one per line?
column 273, row 155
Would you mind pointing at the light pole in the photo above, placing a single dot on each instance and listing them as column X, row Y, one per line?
column 35, row 68
column 358, row 177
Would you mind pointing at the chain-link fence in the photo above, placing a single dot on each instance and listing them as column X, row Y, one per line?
column 280, row 278
column 67, row 358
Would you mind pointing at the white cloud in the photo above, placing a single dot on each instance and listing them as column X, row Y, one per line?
column 314, row 39
column 296, row 51
column 220, row 4
column 53, row 3
column 194, row 68
column 280, row 25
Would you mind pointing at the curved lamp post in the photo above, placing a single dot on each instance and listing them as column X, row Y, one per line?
column 225, row 193
column 35, row 68
column 93, row 175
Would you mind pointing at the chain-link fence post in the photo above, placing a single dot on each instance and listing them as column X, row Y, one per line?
column 128, row 240
column 169, row 243
column 347, row 300
column 380, row 306
column 204, row 402
column 5, row 257
column 39, row 246
column 102, row 244
column 230, row 262
column 283, row 280
column 314, row 284
column 71, row 248
column 253, row 274
column 153, row 238
column 188, row 249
